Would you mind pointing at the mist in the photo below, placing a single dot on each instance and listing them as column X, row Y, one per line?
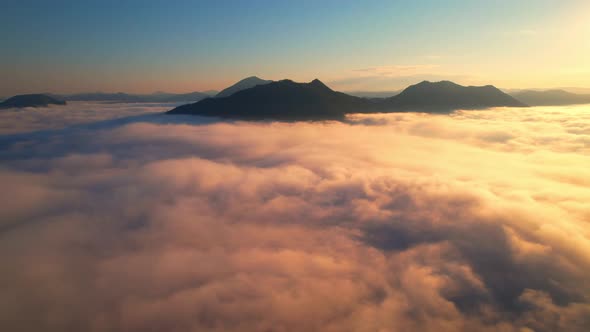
column 474, row 221
column 32, row 119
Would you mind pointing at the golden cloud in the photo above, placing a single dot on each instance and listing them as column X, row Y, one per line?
column 477, row 221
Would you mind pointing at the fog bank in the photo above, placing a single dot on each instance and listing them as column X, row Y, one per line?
column 474, row 221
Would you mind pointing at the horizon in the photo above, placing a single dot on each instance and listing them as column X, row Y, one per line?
column 575, row 90
column 140, row 47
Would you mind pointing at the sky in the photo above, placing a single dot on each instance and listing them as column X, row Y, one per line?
column 181, row 46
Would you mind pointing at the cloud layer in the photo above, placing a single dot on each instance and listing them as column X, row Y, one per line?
column 23, row 120
column 476, row 221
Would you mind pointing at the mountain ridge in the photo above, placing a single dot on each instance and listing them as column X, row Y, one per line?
column 284, row 100
column 156, row 97
column 246, row 83
column 288, row 100
column 552, row 97
column 447, row 95
column 30, row 100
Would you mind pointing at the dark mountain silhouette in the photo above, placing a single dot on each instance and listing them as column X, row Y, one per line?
column 246, row 83
column 282, row 100
column 31, row 100
column 445, row 95
column 551, row 97
column 287, row 100
column 211, row 93
column 374, row 94
column 120, row 97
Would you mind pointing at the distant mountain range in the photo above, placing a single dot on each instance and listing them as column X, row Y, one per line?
column 120, row 97
column 551, row 97
column 161, row 97
column 288, row 100
column 246, row 83
column 256, row 98
column 31, row 100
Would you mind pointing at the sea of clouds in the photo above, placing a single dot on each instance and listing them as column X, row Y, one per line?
column 474, row 221
column 26, row 120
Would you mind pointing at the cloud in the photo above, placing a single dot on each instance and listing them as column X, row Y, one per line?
column 414, row 222
column 17, row 120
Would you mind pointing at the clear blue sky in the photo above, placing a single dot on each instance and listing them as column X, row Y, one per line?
column 143, row 46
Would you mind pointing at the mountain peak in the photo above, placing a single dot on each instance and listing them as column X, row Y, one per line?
column 246, row 83
column 319, row 84
column 446, row 95
column 280, row 100
column 438, row 83
column 251, row 78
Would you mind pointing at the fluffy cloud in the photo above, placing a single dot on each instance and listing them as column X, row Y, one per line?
column 404, row 222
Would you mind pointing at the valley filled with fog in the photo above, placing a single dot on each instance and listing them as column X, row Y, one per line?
column 117, row 217
column 33, row 119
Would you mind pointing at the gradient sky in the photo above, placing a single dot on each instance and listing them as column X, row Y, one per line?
column 144, row 46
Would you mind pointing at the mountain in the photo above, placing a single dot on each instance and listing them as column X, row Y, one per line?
column 246, row 83
column 287, row 100
column 281, row 100
column 445, row 95
column 373, row 94
column 576, row 90
column 156, row 97
column 31, row 100
column 551, row 97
